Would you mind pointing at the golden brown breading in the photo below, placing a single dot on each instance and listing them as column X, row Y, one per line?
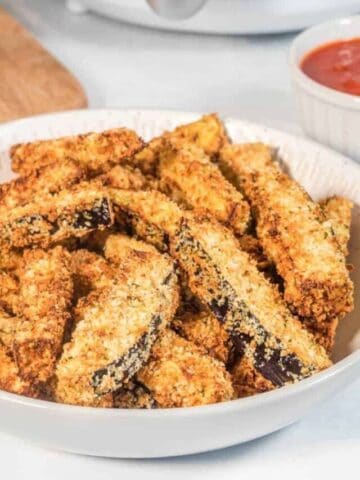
column 134, row 395
column 47, row 180
column 119, row 248
column 179, row 374
column 151, row 214
column 251, row 245
column 293, row 233
column 90, row 272
column 11, row 260
column 247, row 380
column 116, row 328
column 9, row 292
column 208, row 133
column 123, row 177
column 96, row 152
column 8, row 325
column 46, row 290
column 205, row 331
column 10, row 380
column 338, row 211
column 190, row 178
column 250, row 307
column 73, row 212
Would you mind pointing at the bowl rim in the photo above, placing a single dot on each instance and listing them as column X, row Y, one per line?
column 255, row 401
column 316, row 89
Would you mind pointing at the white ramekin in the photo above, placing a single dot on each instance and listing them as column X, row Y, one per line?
column 327, row 115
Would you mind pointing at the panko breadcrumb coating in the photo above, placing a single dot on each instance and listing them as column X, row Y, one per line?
column 49, row 220
column 123, row 177
column 179, row 374
column 10, row 381
column 250, row 307
column 49, row 179
column 120, row 248
column 116, row 328
column 9, row 292
column 190, row 178
column 8, row 325
column 134, row 395
column 337, row 211
column 95, row 152
column 207, row 133
column 294, row 234
column 90, row 272
column 204, row 330
column 247, row 380
column 46, row 290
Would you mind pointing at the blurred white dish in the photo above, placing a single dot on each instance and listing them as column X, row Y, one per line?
column 326, row 115
column 158, row 433
column 227, row 16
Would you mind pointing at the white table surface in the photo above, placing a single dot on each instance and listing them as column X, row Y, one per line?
column 125, row 66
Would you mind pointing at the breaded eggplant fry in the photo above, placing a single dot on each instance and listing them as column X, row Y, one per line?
column 95, row 152
column 293, row 233
column 204, row 330
column 150, row 214
column 190, row 178
column 46, row 290
column 123, row 177
column 250, row 307
column 247, row 380
column 73, row 212
column 134, row 395
column 338, row 211
column 9, row 292
column 90, row 272
column 208, row 133
column 47, row 180
column 10, row 381
column 179, row 374
column 116, row 328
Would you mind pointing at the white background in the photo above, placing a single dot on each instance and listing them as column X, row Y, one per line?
column 125, row 66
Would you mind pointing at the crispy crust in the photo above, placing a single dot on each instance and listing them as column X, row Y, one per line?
column 134, row 395
column 10, row 380
column 8, row 325
column 72, row 212
column 119, row 249
column 205, row 331
column 90, row 272
column 123, row 177
column 96, row 152
column 338, row 211
column 251, row 309
column 179, row 374
column 294, row 234
column 46, row 290
column 207, row 133
column 9, row 292
column 251, row 245
column 188, row 175
column 47, row 180
column 107, row 348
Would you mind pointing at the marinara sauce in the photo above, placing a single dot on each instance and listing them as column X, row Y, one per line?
column 335, row 65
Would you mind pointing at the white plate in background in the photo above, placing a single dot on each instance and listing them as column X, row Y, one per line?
column 165, row 432
column 228, row 16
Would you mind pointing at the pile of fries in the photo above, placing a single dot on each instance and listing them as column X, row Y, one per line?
column 181, row 272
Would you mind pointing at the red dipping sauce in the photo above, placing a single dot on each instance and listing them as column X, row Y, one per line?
column 335, row 65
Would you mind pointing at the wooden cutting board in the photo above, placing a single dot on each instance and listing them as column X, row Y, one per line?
column 31, row 80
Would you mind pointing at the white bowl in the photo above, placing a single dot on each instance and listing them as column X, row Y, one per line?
column 326, row 115
column 159, row 433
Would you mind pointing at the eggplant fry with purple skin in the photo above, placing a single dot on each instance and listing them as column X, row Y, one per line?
column 46, row 290
column 294, row 234
column 207, row 133
column 106, row 349
column 49, row 179
column 95, row 152
column 190, row 178
column 73, row 212
column 251, row 309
